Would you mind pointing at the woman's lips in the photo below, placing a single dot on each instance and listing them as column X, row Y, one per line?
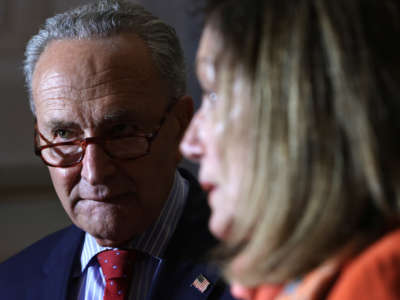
column 207, row 186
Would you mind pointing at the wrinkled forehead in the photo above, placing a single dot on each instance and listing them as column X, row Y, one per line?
column 120, row 55
column 91, row 76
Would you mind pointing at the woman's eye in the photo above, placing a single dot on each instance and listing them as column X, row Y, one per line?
column 213, row 96
column 210, row 98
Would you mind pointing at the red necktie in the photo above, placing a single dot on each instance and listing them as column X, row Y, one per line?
column 117, row 270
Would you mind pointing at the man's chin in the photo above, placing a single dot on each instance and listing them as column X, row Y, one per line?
column 111, row 225
column 110, row 238
column 112, row 243
column 109, row 230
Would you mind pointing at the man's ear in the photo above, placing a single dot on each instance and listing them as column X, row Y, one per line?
column 183, row 111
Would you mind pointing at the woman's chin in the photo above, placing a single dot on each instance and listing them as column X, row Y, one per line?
column 220, row 228
column 241, row 292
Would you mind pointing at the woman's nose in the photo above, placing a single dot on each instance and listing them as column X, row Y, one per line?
column 192, row 146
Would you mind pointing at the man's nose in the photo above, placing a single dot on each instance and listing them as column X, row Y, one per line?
column 97, row 166
column 192, row 146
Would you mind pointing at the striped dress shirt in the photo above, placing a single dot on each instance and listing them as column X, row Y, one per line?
column 88, row 279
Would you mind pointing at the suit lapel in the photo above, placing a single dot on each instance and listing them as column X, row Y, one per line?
column 187, row 249
column 58, row 267
column 177, row 280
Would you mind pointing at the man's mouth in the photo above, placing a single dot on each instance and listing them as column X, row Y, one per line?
column 107, row 198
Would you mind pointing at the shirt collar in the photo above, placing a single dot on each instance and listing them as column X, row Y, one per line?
column 154, row 240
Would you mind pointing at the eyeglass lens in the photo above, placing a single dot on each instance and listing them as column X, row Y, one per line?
column 122, row 148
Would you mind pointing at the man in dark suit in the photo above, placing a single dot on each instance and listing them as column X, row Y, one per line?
column 107, row 89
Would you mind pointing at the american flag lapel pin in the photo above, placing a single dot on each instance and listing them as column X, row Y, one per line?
column 201, row 283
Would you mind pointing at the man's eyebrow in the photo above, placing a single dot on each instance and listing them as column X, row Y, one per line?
column 60, row 123
column 124, row 116
column 120, row 115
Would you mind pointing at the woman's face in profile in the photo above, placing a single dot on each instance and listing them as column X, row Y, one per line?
column 201, row 141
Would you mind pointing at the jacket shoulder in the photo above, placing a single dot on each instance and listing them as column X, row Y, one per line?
column 29, row 262
column 374, row 274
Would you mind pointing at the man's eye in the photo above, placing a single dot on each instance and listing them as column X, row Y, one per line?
column 122, row 129
column 62, row 134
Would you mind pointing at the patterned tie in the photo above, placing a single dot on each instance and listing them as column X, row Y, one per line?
column 117, row 269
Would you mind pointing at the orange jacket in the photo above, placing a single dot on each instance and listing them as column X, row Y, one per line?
column 373, row 274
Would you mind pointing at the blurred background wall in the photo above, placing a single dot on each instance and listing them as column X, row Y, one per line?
column 29, row 208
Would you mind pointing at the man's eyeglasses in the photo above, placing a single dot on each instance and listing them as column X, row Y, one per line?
column 71, row 153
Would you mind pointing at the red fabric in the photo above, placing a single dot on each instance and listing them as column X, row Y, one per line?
column 375, row 274
column 117, row 270
column 267, row 292
column 262, row 292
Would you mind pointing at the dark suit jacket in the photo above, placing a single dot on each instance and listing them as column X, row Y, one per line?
column 43, row 271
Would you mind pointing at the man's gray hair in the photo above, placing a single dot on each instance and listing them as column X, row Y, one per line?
column 105, row 18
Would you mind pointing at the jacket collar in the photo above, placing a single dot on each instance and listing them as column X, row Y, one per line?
column 60, row 262
column 187, row 249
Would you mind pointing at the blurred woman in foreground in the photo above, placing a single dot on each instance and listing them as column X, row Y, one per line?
column 298, row 137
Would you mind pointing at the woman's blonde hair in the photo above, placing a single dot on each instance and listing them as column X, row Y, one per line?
column 321, row 110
